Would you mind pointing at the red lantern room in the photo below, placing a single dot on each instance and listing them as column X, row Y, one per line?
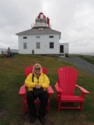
column 42, row 21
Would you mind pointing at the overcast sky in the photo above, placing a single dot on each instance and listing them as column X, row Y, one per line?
column 73, row 18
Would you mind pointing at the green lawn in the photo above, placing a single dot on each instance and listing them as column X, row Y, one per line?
column 12, row 77
column 88, row 58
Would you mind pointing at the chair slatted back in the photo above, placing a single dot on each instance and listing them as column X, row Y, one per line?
column 67, row 78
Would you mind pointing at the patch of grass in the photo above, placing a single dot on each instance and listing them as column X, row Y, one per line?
column 12, row 77
column 88, row 58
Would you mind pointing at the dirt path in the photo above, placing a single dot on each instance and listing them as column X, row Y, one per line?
column 80, row 63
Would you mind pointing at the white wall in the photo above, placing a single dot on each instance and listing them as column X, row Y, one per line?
column 44, row 44
column 21, row 42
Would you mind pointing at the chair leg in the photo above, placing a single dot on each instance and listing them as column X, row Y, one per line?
column 48, row 106
column 25, row 108
column 59, row 105
column 81, row 106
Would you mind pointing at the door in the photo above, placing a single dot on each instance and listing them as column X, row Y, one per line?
column 61, row 48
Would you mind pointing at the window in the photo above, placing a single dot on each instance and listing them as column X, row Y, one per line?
column 37, row 20
column 25, row 45
column 51, row 36
column 51, row 45
column 25, row 37
column 40, row 29
column 38, row 45
column 41, row 20
column 37, row 36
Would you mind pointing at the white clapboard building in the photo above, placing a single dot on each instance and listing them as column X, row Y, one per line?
column 41, row 39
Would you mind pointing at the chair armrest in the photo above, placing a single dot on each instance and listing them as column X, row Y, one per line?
column 22, row 90
column 82, row 89
column 58, row 89
column 50, row 90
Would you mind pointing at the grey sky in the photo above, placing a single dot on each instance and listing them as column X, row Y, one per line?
column 73, row 18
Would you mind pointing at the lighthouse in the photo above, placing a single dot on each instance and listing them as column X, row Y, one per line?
column 41, row 38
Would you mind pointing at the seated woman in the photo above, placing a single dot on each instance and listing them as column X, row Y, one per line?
column 37, row 83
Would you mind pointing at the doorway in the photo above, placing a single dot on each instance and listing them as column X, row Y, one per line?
column 61, row 48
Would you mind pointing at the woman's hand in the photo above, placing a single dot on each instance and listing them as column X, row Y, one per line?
column 37, row 86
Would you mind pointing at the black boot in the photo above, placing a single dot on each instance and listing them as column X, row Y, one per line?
column 32, row 119
column 42, row 120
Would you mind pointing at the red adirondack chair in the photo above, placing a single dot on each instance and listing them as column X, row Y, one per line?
column 65, row 89
column 23, row 90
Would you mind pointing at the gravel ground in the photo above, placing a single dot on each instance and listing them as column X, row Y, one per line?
column 80, row 63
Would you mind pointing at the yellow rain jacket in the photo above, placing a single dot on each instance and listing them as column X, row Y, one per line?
column 43, row 80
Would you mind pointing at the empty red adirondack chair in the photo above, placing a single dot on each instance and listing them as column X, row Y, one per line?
column 65, row 89
column 22, row 90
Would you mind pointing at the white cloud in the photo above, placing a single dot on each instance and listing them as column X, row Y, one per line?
column 80, row 31
column 3, row 45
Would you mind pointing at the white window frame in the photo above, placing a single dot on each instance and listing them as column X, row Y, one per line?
column 37, row 37
column 24, row 37
column 37, row 45
column 51, row 36
column 25, row 45
column 51, row 46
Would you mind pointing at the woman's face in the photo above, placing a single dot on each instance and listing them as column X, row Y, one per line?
column 37, row 69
